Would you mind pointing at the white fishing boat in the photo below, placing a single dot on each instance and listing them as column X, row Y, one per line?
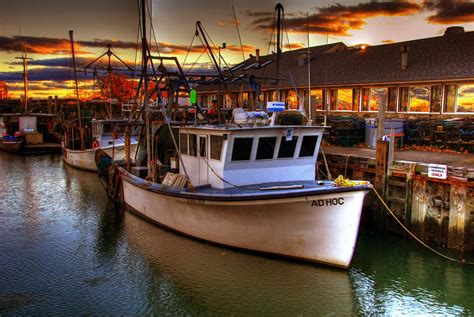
column 108, row 135
column 255, row 189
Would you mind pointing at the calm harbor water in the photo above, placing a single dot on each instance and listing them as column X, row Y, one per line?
column 65, row 250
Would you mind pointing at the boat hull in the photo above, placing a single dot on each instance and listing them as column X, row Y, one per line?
column 85, row 160
column 11, row 146
column 319, row 228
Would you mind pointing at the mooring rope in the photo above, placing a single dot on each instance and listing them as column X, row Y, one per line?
column 415, row 237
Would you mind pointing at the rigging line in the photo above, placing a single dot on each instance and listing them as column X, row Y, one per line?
column 209, row 55
column 152, row 30
column 189, row 49
column 192, row 66
column 272, row 34
column 238, row 32
column 415, row 237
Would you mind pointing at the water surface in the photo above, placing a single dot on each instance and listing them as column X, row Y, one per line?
column 65, row 250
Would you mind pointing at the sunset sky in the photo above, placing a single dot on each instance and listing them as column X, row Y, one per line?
column 44, row 25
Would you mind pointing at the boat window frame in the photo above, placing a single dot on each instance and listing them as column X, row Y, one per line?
column 274, row 148
column 283, row 138
column 231, row 159
column 318, row 136
column 221, row 150
column 187, row 143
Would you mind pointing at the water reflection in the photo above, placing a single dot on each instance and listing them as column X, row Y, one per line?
column 218, row 280
column 396, row 276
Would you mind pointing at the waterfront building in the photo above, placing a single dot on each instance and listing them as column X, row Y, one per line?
column 423, row 78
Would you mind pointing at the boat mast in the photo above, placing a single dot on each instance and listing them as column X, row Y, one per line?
column 279, row 9
column 25, row 79
column 71, row 38
column 145, row 85
column 309, row 75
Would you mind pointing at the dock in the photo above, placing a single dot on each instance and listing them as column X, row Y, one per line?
column 436, row 210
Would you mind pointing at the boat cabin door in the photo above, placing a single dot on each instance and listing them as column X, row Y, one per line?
column 203, row 156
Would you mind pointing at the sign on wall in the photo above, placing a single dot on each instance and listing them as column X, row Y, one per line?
column 438, row 171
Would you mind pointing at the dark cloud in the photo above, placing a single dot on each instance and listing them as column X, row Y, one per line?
column 257, row 14
column 336, row 19
column 450, row 12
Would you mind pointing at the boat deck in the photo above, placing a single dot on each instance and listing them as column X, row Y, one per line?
column 249, row 192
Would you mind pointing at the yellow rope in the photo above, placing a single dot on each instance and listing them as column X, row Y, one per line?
column 415, row 237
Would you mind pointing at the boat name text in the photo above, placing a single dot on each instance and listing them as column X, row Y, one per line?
column 328, row 202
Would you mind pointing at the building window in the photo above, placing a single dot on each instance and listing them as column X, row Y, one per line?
column 242, row 149
column 392, row 99
column 344, row 99
column 308, row 145
column 355, row 99
column 465, row 100
column 317, row 99
column 287, row 148
column 183, row 143
column 245, row 99
column 436, row 98
column 450, row 105
column 292, row 100
column 266, row 148
column 419, row 99
column 192, row 145
column 373, row 98
column 403, row 99
column 216, row 146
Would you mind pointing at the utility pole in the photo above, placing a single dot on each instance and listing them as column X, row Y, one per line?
column 81, row 132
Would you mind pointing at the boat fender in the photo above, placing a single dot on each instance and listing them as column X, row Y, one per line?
column 95, row 144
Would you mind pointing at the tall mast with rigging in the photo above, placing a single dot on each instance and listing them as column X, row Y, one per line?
column 24, row 58
column 145, row 87
column 77, row 90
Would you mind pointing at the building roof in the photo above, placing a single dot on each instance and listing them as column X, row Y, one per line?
column 442, row 58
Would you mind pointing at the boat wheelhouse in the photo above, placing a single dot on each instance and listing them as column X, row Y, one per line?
column 223, row 157
column 107, row 135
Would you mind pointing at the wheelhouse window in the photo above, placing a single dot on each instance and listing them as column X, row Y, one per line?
column 465, row 100
column 242, row 149
column 202, row 146
column 373, row 98
column 216, row 146
column 183, row 143
column 192, row 145
column 308, row 145
column 266, row 148
column 287, row 148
